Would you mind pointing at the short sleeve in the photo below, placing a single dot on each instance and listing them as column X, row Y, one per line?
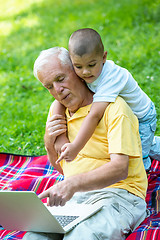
column 123, row 134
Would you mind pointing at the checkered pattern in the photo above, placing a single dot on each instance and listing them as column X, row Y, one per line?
column 36, row 174
column 150, row 227
column 24, row 173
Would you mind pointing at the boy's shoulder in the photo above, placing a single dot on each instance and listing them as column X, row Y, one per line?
column 109, row 64
column 110, row 67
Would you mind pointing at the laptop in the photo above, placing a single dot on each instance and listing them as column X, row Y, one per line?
column 24, row 211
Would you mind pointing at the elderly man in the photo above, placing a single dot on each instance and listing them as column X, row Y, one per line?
column 109, row 167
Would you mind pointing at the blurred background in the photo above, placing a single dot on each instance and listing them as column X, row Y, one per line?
column 130, row 30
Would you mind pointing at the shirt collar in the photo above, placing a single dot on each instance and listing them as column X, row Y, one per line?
column 81, row 112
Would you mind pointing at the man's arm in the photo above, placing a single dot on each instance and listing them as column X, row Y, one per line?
column 104, row 176
column 55, row 126
column 62, row 138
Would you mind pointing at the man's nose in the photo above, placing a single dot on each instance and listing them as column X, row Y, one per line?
column 58, row 88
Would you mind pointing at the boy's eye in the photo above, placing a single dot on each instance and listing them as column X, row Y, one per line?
column 79, row 67
column 92, row 65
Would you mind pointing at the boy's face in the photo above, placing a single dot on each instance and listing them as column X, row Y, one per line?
column 88, row 66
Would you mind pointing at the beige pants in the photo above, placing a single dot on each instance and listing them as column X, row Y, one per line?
column 121, row 214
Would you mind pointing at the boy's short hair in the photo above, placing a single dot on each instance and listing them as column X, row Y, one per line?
column 84, row 41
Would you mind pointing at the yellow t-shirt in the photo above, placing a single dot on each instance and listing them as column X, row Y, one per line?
column 117, row 132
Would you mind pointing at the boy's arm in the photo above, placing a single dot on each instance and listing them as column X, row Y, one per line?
column 61, row 139
column 89, row 124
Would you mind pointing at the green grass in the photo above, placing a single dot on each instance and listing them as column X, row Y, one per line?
column 130, row 30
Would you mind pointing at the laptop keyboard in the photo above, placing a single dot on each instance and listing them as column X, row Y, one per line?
column 65, row 220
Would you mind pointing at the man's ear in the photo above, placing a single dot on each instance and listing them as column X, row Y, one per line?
column 104, row 56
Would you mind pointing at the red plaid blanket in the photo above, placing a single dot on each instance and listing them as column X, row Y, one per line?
column 24, row 173
column 150, row 227
column 36, row 174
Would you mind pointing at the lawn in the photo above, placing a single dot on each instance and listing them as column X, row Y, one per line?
column 130, row 30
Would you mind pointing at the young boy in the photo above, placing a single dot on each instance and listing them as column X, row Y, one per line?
column 107, row 80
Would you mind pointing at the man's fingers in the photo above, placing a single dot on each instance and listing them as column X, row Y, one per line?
column 57, row 132
column 56, row 117
column 54, row 127
column 54, row 121
column 43, row 194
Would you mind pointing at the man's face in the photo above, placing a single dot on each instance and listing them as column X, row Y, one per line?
column 88, row 66
column 62, row 83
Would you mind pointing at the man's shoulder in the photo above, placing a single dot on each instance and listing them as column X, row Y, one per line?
column 120, row 107
column 51, row 109
column 119, row 103
column 119, row 114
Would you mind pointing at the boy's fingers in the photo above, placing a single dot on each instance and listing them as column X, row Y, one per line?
column 64, row 147
column 63, row 153
column 60, row 158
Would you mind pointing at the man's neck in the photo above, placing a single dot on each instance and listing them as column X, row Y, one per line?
column 87, row 100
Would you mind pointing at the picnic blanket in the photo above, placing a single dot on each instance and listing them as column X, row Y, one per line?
column 149, row 229
column 24, row 173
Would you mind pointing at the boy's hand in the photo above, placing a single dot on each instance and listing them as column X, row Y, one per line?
column 68, row 152
column 60, row 141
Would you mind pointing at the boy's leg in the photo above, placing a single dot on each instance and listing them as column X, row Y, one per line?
column 155, row 149
column 147, row 128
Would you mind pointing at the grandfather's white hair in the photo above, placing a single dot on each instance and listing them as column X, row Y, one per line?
column 43, row 58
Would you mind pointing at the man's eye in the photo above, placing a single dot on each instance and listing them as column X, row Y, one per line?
column 61, row 79
column 49, row 87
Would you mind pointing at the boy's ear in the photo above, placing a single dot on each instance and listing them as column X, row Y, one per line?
column 104, row 56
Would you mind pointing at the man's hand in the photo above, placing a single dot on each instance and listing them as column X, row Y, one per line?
column 58, row 194
column 55, row 126
column 68, row 152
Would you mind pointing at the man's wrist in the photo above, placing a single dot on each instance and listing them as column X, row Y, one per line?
column 76, row 183
column 49, row 142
